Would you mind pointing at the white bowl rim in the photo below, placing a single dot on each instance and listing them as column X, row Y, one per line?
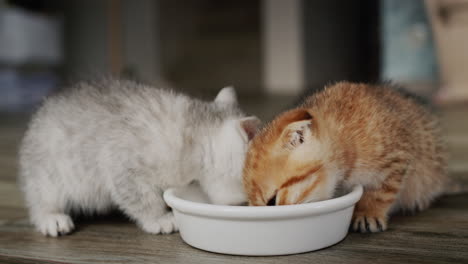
column 262, row 212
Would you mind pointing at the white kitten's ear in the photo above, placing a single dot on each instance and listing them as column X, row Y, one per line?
column 227, row 96
column 250, row 126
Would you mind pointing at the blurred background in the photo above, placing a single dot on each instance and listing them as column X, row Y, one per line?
column 265, row 48
column 273, row 51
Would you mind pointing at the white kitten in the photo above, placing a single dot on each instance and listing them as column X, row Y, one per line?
column 121, row 144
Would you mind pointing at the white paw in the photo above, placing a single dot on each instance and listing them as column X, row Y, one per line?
column 151, row 227
column 167, row 223
column 55, row 224
column 164, row 225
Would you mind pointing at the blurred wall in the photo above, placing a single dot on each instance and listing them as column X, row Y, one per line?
column 198, row 46
column 209, row 44
column 86, row 39
column 119, row 37
column 341, row 41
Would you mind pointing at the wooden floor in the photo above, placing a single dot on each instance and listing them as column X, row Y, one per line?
column 438, row 235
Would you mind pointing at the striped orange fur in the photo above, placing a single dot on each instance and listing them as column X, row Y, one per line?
column 345, row 135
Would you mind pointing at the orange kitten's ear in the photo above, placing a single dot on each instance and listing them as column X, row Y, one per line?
column 297, row 133
column 291, row 116
column 296, row 125
column 250, row 126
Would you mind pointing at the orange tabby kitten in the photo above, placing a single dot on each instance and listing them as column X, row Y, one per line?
column 345, row 135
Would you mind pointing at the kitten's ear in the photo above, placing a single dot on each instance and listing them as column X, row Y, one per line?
column 281, row 122
column 250, row 126
column 293, row 126
column 227, row 96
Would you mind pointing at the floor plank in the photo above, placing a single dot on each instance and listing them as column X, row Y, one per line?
column 438, row 235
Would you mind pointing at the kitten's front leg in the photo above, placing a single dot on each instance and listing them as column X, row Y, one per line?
column 371, row 212
column 143, row 202
column 165, row 224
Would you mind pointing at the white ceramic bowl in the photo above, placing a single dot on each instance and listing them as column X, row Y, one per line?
column 260, row 230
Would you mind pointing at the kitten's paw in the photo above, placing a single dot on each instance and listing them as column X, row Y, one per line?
column 368, row 224
column 168, row 223
column 55, row 225
column 164, row 225
column 151, row 227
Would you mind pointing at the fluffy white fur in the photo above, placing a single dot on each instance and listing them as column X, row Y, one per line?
column 121, row 144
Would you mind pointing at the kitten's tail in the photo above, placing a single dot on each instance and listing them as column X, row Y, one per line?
column 456, row 186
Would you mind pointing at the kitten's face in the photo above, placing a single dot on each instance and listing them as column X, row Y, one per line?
column 223, row 182
column 284, row 163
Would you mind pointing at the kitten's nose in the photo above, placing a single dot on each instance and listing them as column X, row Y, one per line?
column 272, row 201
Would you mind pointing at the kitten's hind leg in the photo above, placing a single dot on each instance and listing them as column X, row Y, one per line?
column 371, row 212
column 143, row 203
